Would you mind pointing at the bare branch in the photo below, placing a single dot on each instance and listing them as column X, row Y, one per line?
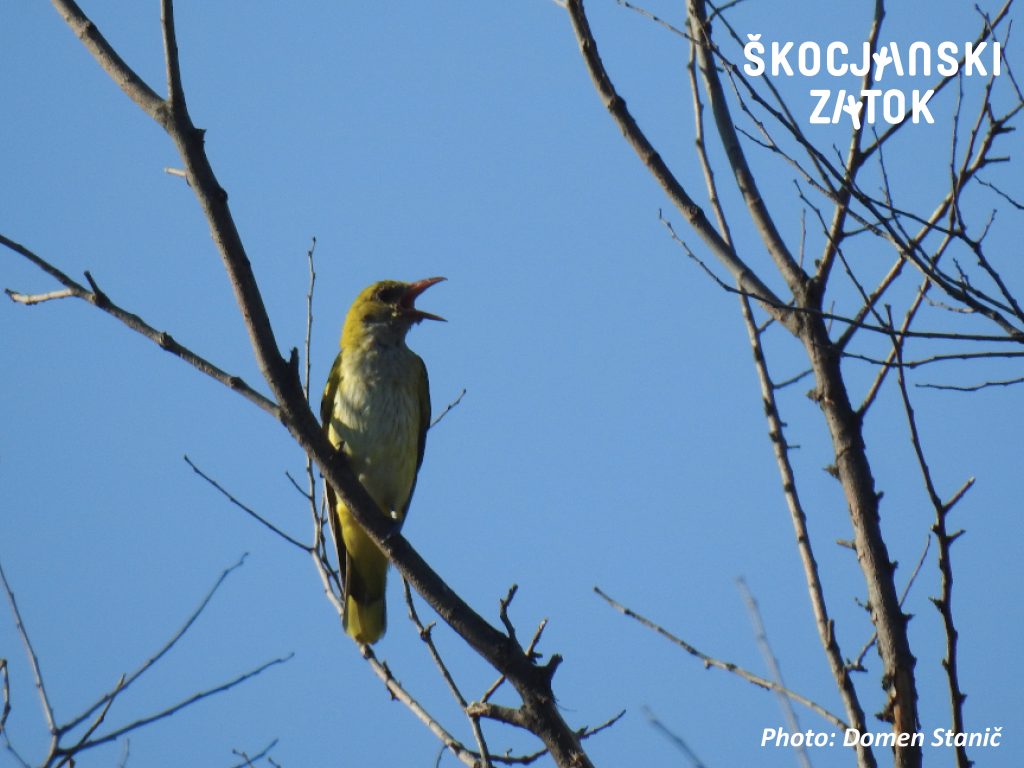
column 102, row 301
column 448, row 408
column 709, row 661
column 988, row 28
column 37, row 673
column 125, row 77
column 400, row 694
column 71, row 752
column 798, row 517
column 701, row 147
column 973, row 387
column 700, row 30
column 674, row 738
column 944, row 603
column 851, row 167
column 747, row 279
column 5, row 690
column 248, row 510
column 761, row 636
column 282, row 376
column 253, row 759
column 185, row 703
column 38, row 298
column 858, row 664
column 426, row 635
column 309, row 318
column 127, row 680
column 175, row 92
column 653, row 17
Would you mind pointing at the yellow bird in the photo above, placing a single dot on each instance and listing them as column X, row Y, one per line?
column 376, row 408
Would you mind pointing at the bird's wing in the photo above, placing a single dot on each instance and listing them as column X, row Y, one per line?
column 326, row 414
column 424, row 396
column 330, row 391
column 423, row 392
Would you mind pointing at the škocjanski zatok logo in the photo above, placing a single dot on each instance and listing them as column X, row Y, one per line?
column 891, row 61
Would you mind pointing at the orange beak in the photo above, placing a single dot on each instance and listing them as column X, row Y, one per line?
column 408, row 300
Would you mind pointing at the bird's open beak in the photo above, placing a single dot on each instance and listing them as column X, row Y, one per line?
column 408, row 300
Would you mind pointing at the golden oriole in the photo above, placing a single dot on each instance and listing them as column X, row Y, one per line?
column 376, row 408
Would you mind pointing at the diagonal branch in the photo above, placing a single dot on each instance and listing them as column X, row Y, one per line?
column 125, row 77
column 772, row 662
column 700, row 31
column 532, row 682
column 987, row 31
column 710, row 661
column 854, row 162
column 395, row 688
column 126, row 680
column 175, row 92
column 33, row 660
column 426, row 635
column 822, row 620
column 164, row 340
column 183, row 704
column 946, row 540
column 747, row 279
column 247, row 509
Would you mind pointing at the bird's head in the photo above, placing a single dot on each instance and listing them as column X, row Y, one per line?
column 385, row 311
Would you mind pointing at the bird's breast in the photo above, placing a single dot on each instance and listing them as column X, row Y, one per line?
column 376, row 416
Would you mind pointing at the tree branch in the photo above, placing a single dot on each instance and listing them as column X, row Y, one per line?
column 746, row 278
column 822, row 620
column 700, row 30
column 164, row 340
column 532, row 682
column 710, row 661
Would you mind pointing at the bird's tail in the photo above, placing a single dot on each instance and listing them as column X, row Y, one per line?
column 364, row 576
column 365, row 620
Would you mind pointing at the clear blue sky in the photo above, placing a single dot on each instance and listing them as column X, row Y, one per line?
column 611, row 434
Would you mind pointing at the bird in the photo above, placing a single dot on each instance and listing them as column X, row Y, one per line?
column 376, row 410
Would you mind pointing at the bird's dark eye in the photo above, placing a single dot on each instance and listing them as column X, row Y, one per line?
column 389, row 295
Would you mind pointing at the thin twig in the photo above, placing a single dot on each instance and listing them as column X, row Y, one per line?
column 744, row 276
column 248, row 510
column 946, row 540
column 175, row 92
column 530, row 652
column 653, row 17
column 39, row 298
column 33, row 659
column 761, row 635
column 309, row 316
column 973, row 387
column 798, row 518
column 700, row 29
column 673, row 737
column 701, row 145
column 400, row 694
column 69, row 753
column 194, row 698
column 448, row 408
column 102, row 301
column 858, row 664
column 126, row 681
column 253, row 759
column 5, row 686
column 710, row 661
column 426, row 635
